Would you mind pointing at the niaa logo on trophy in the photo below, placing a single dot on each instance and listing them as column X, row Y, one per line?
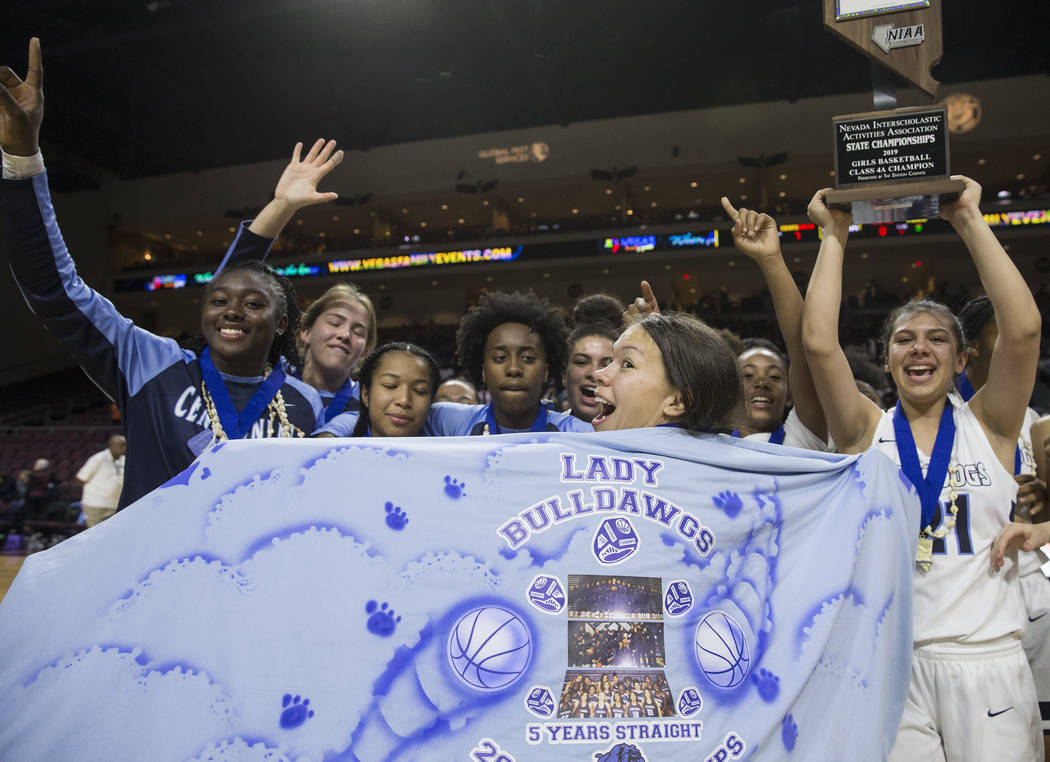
column 614, row 541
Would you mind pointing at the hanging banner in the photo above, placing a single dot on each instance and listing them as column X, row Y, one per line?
column 646, row 595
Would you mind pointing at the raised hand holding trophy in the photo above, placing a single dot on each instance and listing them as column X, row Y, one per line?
column 892, row 164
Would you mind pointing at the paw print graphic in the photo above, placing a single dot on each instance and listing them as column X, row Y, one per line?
column 789, row 733
column 768, row 685
column 395, row 517
column 296, row 711
column 381, row 621
column 729, row 502
column 454, row 488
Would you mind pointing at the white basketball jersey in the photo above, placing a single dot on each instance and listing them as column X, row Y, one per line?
column 960, row 598
column 795, row 435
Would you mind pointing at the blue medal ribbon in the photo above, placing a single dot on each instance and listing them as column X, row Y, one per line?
column 540, row 424
column 338, row 403
column 236, row 426
column 929, row 488
column 777, row 437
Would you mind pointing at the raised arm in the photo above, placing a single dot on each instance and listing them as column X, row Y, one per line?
column 756, row 235
column 852, row 417
column 1000, row 404
column 296, row 189
column 115, row 354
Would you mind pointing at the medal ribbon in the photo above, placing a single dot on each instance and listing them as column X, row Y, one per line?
column 777, row 437
column 540, row 424
column 338, row 403
column 236, row 426
column 929, row 489
column 966, row 390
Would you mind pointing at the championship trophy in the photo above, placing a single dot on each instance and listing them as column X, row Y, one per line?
column 892, row 164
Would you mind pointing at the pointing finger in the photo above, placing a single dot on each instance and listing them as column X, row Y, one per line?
column 35, row 72
column 730, row 209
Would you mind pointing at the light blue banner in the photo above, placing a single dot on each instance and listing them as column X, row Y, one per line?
column 644, row 595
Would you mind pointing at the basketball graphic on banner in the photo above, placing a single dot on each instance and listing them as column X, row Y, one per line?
column 722, row 650
column 489, row 648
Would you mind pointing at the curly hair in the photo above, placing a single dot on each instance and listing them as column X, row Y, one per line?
column 497, row 308
column 283, row 291
column 597, row 315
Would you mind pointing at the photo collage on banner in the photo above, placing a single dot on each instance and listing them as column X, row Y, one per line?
column 615, row 649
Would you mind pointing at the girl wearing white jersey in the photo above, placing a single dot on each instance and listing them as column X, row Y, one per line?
column 971, row 695
column 769, row 380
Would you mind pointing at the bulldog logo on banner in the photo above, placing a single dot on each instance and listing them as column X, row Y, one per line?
column 644, row 595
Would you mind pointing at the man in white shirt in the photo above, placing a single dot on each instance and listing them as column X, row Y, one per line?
column 103, row 479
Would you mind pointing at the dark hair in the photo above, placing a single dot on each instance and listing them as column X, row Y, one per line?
column 734, row 341
column 702, row 367
column 597, row 315
column 371, row 364
column 497, row 308
column 916, row 307
column 283, row 291
column 760, row 343
column 975, row 315
column 864, row 369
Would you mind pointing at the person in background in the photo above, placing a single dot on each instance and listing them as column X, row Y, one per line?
column 512, row 343
column 102, row 477
column 457, row 390
column 597, row 323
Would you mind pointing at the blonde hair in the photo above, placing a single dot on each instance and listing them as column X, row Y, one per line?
column 341, row 292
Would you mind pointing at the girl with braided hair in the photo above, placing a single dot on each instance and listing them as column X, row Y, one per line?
column 173, row 402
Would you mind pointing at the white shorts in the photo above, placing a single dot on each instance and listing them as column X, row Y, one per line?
column 1035, row 589
column 970, row 703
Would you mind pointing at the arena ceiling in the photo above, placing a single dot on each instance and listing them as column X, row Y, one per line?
column 144, row 87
